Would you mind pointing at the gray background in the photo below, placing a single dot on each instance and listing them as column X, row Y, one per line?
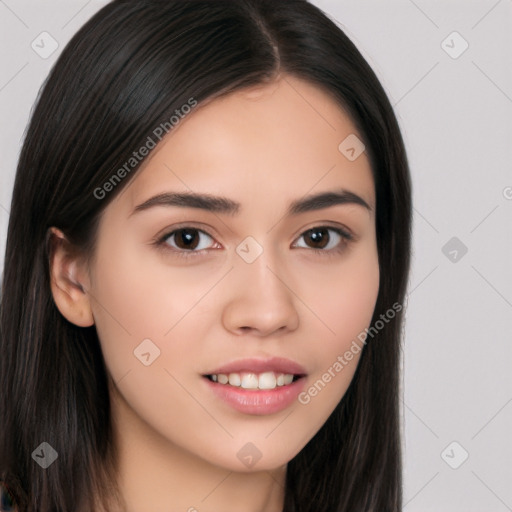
column 455, row 111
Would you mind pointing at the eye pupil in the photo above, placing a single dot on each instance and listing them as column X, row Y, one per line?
column 323, row 237
column 187, row 236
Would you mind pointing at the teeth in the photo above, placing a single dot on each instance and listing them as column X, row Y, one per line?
column 288, row 379
column 246, row 380
column 234, row 379
column 249, row 381
column 268, row 380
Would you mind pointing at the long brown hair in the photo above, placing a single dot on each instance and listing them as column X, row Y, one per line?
column 124, row 73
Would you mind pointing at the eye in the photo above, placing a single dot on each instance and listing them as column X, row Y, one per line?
column 186, row 239
column 323, row 242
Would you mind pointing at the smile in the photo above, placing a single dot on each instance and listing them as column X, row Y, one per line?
column 257, row 386
column 247, row 380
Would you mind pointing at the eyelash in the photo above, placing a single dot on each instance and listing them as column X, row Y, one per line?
column 346, row 237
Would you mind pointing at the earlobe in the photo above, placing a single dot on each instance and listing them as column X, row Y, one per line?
column 68, row 280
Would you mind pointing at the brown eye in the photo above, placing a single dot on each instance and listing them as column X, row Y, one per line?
column 319, row 237
column 186, row 241
column 325, row 238
column 186, row 238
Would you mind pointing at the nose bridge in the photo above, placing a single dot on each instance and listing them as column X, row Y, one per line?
column 261, row 297
column 260, row 275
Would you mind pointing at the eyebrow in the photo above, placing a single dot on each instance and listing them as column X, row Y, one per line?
column 224, row 205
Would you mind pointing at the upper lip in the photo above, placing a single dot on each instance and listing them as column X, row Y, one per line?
column 273, row 364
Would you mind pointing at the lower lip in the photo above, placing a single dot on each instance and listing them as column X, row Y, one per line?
column 258, row 401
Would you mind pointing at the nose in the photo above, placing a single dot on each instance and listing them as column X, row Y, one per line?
column 261, row 300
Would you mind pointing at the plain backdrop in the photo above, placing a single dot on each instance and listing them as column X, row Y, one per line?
column 447, row 68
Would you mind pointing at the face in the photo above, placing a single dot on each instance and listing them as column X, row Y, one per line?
column 187, row 295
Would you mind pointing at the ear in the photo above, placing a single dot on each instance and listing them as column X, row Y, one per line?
column 69, row 280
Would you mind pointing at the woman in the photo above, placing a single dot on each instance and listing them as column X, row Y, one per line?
column 206, row 262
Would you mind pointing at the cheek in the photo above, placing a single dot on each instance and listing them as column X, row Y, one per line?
column 135, row 298
column 144, row 313
column 344, row 301
column 344, row 296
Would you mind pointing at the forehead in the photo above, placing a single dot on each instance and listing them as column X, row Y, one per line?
column 262, row 145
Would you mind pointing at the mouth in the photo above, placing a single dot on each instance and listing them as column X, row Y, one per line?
column 251, row 374
column 253, row 381
column 257, row 386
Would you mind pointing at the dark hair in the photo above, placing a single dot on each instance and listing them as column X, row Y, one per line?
column 126, row 71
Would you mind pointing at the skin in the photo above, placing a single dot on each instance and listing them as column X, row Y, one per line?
column 262, row 147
